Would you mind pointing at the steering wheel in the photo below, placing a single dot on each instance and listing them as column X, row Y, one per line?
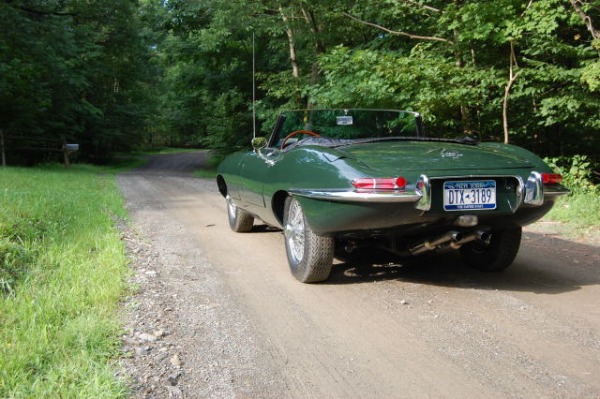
column 297, row 132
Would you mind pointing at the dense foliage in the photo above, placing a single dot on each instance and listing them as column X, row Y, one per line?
column 113, row 74
column 72, row 71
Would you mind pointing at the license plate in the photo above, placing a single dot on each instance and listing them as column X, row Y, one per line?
column 469, row 195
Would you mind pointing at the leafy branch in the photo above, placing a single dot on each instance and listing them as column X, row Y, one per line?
column 578, row 5
column 399, row 33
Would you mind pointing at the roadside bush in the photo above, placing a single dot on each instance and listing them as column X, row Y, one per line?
column 578, row 173
column 581, row 208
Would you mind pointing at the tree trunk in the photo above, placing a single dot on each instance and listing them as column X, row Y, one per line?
column 292, row 44
column 309, row 17
column 512, row 77
column 587, row 20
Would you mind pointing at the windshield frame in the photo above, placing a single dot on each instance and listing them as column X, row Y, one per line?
column 278, row 133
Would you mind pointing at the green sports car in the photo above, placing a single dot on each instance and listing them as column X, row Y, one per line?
column 338, row 180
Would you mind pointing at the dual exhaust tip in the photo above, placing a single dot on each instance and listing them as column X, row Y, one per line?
column 451, row 239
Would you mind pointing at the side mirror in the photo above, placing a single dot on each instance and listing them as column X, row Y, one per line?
column 259, row 143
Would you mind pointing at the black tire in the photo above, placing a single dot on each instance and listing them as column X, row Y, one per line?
column 310, row 256
column 495, row 254
column 240, row 221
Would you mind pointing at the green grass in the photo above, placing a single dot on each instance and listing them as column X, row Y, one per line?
column 62, row 274
column 210, row 172
column 581, row 211
column 206, row 173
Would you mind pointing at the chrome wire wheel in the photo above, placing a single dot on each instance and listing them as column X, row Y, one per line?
column 231, row 208
column 294, row 232
column 310, row 256
column 240, row 221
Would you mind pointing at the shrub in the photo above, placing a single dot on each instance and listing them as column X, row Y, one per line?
column 578, row 173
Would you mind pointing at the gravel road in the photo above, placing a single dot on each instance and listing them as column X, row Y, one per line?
column 218, row 315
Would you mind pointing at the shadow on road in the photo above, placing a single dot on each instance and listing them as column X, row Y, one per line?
column 178, row 164
column 545, row 266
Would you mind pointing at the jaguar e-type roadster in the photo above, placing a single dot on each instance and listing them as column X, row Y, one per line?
column 338, row 180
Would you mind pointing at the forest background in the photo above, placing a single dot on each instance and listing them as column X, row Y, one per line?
column 119, row 75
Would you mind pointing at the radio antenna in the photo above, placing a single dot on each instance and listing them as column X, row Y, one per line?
column 253, row 88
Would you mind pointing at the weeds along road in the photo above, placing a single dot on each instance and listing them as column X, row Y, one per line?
column 234, row 323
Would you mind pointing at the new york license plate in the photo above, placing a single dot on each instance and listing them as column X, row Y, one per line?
column 469, row 195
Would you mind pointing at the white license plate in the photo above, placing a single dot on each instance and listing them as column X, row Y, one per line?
column 469, row 195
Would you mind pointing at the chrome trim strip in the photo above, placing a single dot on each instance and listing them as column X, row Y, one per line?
column 471, row 176
column 409, row 195
column 534, row 189
column 530, row 192
column 424, row 203
column 520, row 194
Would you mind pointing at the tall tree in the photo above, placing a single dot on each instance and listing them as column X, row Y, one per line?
column 112, row 73
column 487, row 66
column 73, row 70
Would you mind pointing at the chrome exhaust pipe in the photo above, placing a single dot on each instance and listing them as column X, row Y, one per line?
column 478, row 235
column 430, row 245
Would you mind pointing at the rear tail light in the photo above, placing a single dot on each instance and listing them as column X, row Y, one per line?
column 551, row 178
column 374, row 184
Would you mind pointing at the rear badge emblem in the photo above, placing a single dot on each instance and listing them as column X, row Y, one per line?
column 451, row 154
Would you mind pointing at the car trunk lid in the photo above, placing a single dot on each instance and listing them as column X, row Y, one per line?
column 421, row 156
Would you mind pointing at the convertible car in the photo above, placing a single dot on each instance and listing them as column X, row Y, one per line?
column 336, row 181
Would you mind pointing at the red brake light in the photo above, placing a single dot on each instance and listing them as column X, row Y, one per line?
column 367, row 183
column 551, row 178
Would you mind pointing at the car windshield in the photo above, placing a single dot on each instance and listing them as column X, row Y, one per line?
column 349, row 124
column 340, row 127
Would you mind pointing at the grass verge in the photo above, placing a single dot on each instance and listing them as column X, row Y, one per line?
column 580, row 212
column 62, row 274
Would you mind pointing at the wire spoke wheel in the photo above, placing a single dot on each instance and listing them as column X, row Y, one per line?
column 240, row 221
column 310, row 256
column 294, row 232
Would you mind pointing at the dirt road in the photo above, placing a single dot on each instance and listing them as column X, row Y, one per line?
column 219, row 315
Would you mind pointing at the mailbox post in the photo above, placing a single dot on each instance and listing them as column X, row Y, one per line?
column 68, row 149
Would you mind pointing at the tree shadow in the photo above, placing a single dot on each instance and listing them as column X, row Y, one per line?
column 176, row 164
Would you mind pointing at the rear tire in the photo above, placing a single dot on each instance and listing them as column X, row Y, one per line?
column 310, row 256
column 240, row 221
column 496, row 254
